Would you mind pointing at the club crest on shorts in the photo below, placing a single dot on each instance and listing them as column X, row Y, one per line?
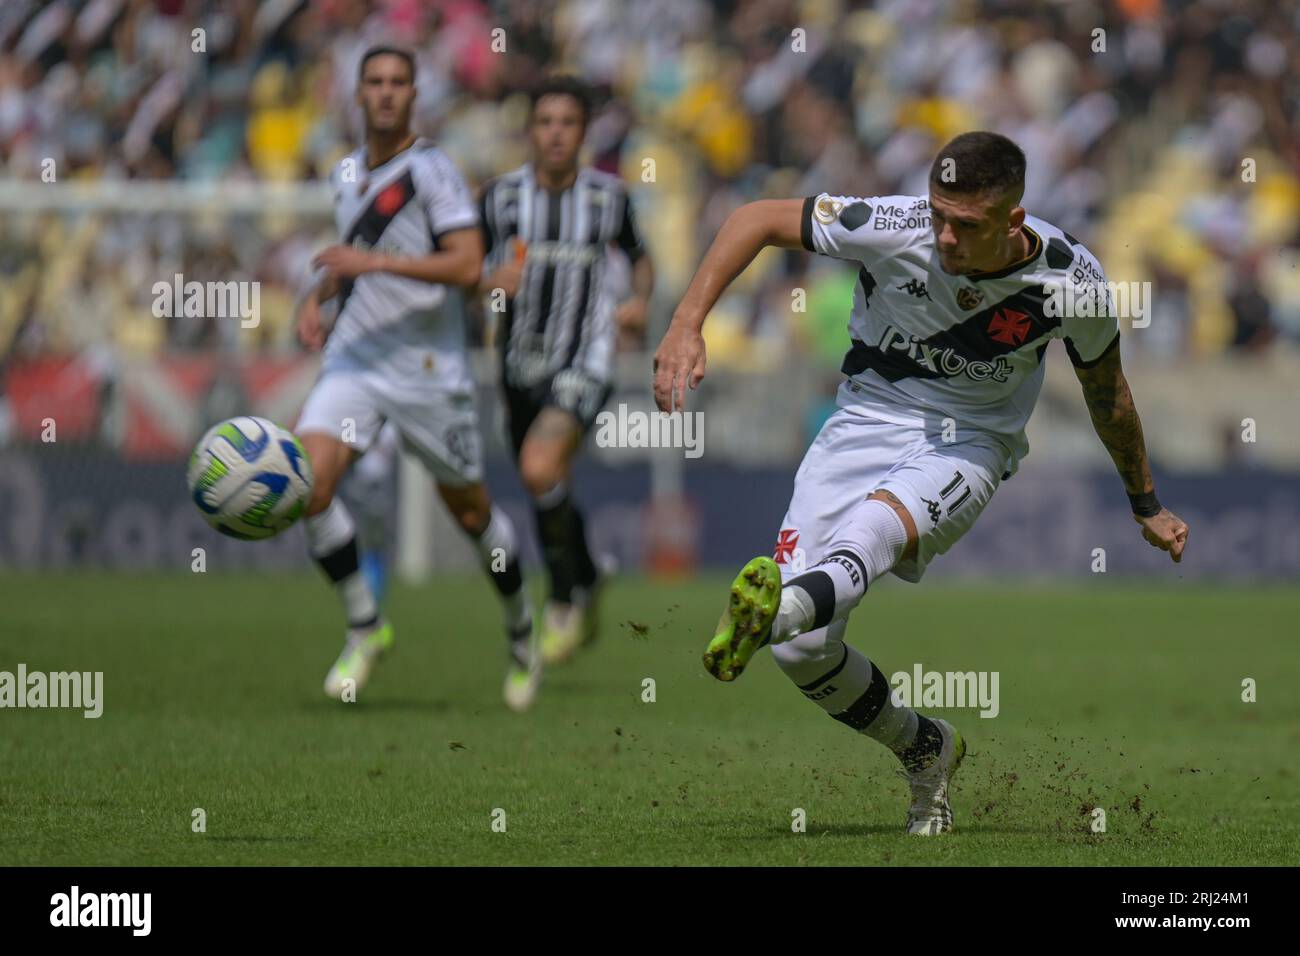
column 786, row 542
column 969, row 298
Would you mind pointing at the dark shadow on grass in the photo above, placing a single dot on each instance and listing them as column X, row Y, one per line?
column 896, row 829
column 574, row 685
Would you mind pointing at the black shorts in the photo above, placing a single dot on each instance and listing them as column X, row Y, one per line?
column 570, row 390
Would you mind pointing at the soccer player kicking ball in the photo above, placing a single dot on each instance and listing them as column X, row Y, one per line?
column 396, row 353
column 547, row 227
column 950, row 320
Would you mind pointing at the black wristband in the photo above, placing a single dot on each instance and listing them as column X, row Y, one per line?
column 1144, row 505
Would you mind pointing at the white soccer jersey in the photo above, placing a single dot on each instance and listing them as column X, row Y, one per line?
column 403, row 329
column 927, row 345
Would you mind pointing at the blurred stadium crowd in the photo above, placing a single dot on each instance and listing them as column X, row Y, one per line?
column 1136, row 115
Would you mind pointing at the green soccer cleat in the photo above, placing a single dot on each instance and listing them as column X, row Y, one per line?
column 569, row 628
column 561, row 632
column 351, row 671
column 746, row 624
column 521, row 685
column 523, row 672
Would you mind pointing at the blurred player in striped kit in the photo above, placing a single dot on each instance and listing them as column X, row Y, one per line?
column 547, row 227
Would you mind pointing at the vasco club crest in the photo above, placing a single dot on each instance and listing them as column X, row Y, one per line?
column 969, row 298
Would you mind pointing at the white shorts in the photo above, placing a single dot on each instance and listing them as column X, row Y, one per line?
column 439, row 426
column 943, row 486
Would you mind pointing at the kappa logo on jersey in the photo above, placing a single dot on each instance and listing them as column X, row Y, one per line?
column 1009, row 326
column 915, row 288
column 968, row 298
column 786, row 542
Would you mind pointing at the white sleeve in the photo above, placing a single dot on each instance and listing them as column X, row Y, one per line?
column 1091, row 334
column 447, row 200
column 843, row 226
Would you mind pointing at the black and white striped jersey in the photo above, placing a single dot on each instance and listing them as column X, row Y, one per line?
column 926, row 345
column 402, row 328
column 563, row 314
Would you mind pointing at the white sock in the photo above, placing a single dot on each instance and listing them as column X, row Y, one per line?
column 329, row 530
column 853, row 690
column 499, row 549
column 332, row 539
column 867, row 545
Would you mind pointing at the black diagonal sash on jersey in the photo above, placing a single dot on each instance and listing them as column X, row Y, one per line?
column 997, row 330
column 372, row 222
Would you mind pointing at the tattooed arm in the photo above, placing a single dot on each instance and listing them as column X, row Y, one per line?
column 1115, row 417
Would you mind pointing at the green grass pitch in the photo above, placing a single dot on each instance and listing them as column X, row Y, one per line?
column 1127, row 698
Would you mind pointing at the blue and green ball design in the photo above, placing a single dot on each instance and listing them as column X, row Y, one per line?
column 249, row 478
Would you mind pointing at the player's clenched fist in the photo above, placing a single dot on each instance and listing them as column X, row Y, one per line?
column 344, row 262
column 1166, row 531
column 678, row 362
column 508, row 276
column 630, row 317
column 507, row 279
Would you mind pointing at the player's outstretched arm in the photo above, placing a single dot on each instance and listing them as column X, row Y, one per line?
column 458, row 261
column 632, row 313
column 306, row 320
column 312, row 332
column 1115, row 417
column 680, row 360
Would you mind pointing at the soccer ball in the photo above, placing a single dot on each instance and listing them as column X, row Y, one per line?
column 250, row 478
